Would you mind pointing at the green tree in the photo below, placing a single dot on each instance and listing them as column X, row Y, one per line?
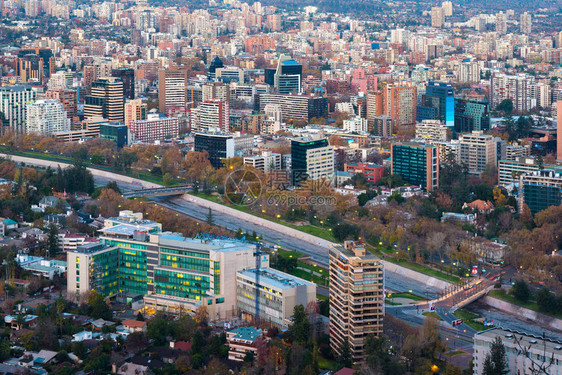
column 210, row 217
column 97, row 307
column 140, row 317
column 157, row 329
column 52, row 240
column 345, row 359
column 506, row 106
column 495, row 362
column 546, row 300
column 299, row 331
column 521, row 291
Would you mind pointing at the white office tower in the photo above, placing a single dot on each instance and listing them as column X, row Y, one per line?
column 46, row 117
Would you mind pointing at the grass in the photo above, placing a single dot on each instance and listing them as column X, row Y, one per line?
column 532, row 305
column 321, row 297
column 305, row 274
column 432, row 314
column 392, row 303
column 326, row 364
column 468, row 319
column 408, row 295
column 425, row 269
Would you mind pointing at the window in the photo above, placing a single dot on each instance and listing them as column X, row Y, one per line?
column 77, row 279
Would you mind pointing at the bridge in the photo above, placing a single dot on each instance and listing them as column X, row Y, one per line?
column 158, row 192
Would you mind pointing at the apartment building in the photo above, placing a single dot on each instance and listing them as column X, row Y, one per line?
column 156, row 127
column 135, row 110
column 46, row 117
column 431, row 130
column 356, row 298
column 477, row 150
column 300, row 107
column 509, row 171
column 13, row 104
column 265, row 162
column 400, row 102
column 172, row 89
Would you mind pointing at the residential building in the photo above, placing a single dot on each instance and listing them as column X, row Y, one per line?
column 559, row 129
column 311, row 159
column 218, row 145
column 135, row 110
column 213, row 114
column 501, row 23
column 400, row 100
column 509, row 171
column 302, row 107
column 68, row 98
column 242, row 340
column 417, row 163
column 525, row 23
column 133, row 326
column 355, row 124
column 13, row 105
column 60, row 80
column 431, row 130
column 356, row 298
column 127, row 76
column 514, row 151
column 447, row 8
column 265, row 162
column 375, row 106
column 156, row 127
column 172, row 89
column 230, row 74
column 477, row 150
column 105, row 100
column 278, row 294
column 541, row 189
column 382, row 126
column 372, row 172
column 437, row 17
column 517, row 88
column 215, row 91
column 176, row 275
column 471, row 113
column 469, row 71
column 521, row 350
column 46, row 117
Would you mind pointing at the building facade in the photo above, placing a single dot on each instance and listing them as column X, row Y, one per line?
column 356, row 298
column 432, row 130
column 13, row 106
column 46, row 117
column 156, row 127
column 417, row 163
column 471, row 113
column 311, row 159
column 541, row 189
column 105, row 100
column 477, row 150
column 218, row 146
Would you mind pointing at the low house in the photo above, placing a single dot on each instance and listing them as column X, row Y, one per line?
column 20, row 321
column 82, row 336
column 53, row 203
column 30, row 306
column 242, row 340
column 134, row 326
column 484, row 207
column 6, row 225
column 131, row 369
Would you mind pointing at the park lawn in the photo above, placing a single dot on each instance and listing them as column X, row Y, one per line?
column 408, row 295
column 532, row 305
column 309, row 277
column 467, row 318
column 326, row 364
column 392, row 303
column 321, row 297
column 426, row 270
column 289, row 253
column 432, row 314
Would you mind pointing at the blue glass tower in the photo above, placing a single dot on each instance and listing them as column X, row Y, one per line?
column 438, row 103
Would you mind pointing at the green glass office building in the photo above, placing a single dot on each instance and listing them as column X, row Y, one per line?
column 417, row 163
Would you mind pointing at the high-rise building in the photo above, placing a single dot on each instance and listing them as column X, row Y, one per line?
column 559, row 40
column 127, row 76
column 400, row 100
column 177, row 275
column 68, row 98
column 469, row 71
column 541, row 189
column 417, row 163
column 355, row 124
column 509, row 171
column 559, row 128
column 447, row 8
column 135, row 110
column 105, row 100
column 265, row 162
column 60, row 80
column 311, row 159
column 516, row 88
column 219, row 146
column 301, row 107
column 431, row 130
column 525, row 23
column 13, row 106
column 471, row 113
column 356, row 298
column 477, row 150
column 46, row 54
column 172, row 86
column 288, row 76
column 90, row 75
column 156, row 127
column 439, row 100
column 501, row 23
column 215, row 90
column 213, row 66
column 213, row 113
column 30, row 68
column 437, row 17
column 46, row 117
column 375, row 106
column 382, row 126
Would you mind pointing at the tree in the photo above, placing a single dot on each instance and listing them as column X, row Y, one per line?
column 345, row 359
column 495, row 362
column 546, row 300
column 521, row 291
column 506, row 106
column 210, row 217
column 97, row 307
column 140, row 317
column 299, row 331
column 52, row 240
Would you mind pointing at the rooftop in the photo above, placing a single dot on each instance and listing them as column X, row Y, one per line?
column 275, row 278
column 246, row 333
